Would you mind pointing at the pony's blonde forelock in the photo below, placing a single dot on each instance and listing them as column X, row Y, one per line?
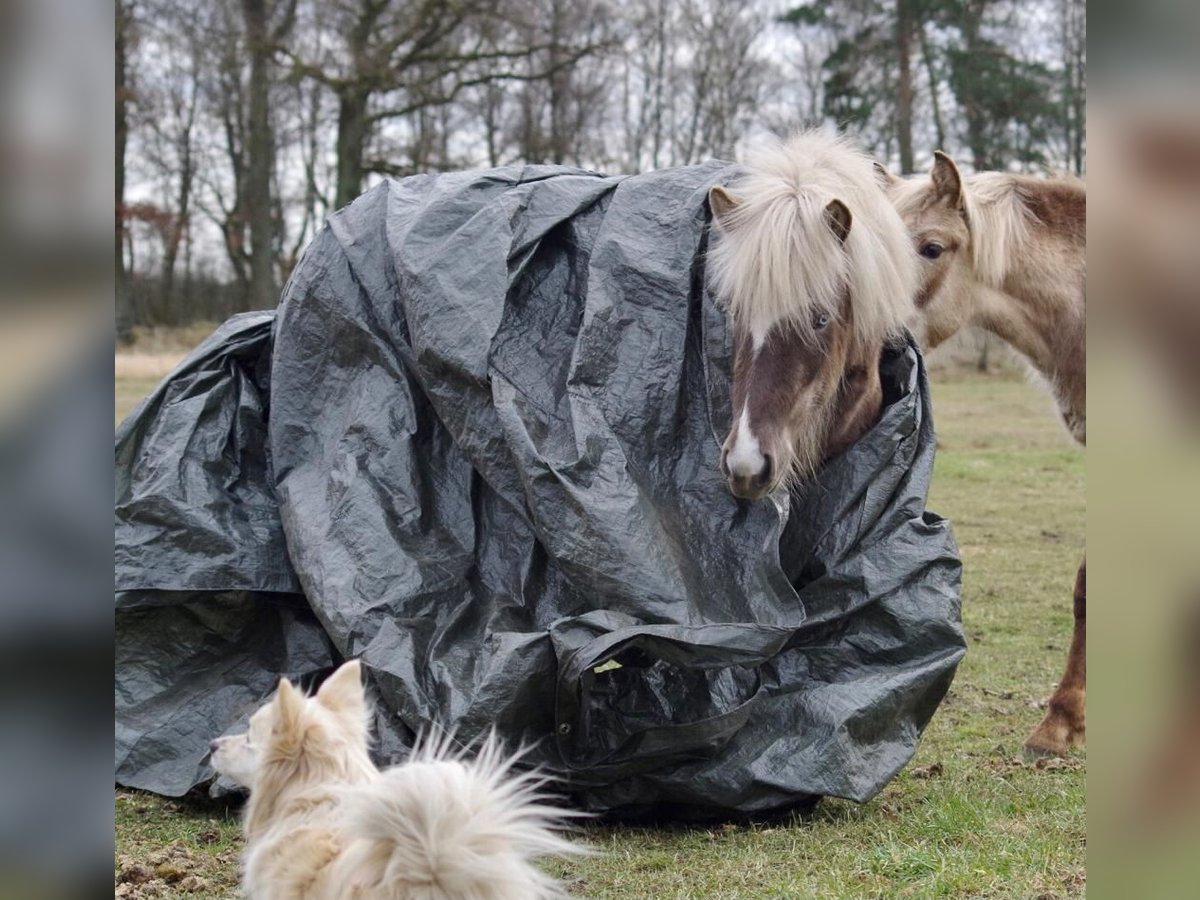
column 777, row 261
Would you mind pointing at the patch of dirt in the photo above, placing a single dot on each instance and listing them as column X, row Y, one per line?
column 1058, row 763
column 1002, row 763
column 130, row 872
column 171, row 871
column 1076, row 883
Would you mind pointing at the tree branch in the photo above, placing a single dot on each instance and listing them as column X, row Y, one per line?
column 485, row 78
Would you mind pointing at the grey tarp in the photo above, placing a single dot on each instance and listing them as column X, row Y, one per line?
column 477, row 446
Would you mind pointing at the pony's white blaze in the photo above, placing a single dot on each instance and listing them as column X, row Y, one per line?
column 745, row 459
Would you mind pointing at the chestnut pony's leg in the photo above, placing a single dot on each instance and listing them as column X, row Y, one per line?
column 1063, row 725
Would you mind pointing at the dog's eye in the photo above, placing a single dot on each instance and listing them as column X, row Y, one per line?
column 820, row 321
column 932, row 250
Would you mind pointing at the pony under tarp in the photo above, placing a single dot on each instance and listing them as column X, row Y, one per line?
column 477, row 447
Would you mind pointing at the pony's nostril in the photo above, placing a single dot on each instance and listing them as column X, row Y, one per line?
column 213, row 745
column 768, row 470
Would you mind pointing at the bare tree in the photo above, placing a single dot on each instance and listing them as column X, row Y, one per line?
column 560, row 118
column 225, row 173
column 267, row 24
column 724, row 76
column 169, row 122
column 974, row 43
column 315, row 199
column 906, row 26
column 237, row 160
column 929, row 59
column 390, row 60
column 1073, row 17
column 253, row 119
column 124, row 27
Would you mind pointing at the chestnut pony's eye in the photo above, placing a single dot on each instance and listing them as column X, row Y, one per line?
column 820, row 321
column 932, row 250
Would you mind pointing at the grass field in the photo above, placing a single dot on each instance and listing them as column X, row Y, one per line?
column 968, row 817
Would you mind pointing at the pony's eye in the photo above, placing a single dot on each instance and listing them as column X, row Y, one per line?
column 932, row 250
column 820, row 321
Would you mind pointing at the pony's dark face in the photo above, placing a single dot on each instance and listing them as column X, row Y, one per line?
column 797, row 402
column 800, row 394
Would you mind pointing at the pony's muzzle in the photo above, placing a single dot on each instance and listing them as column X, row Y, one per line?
column 748, row 479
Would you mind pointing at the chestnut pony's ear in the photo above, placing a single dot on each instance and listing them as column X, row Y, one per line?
column 342, row 691
column 722, row 204
column 947, row 181
column 884, row 175
column 837, row 214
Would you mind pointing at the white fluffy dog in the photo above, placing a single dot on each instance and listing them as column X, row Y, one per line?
column 323, row 823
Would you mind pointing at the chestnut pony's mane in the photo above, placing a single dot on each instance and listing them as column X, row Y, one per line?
column 1000, row 222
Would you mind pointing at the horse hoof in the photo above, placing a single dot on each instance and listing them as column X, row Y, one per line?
column 1055, row 736
column 1034, row 751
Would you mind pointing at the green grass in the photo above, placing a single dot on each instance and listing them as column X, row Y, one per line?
column 968, row 818
column 130, row 392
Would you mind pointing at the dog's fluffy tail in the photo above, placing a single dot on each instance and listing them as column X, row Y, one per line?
column 445, row 826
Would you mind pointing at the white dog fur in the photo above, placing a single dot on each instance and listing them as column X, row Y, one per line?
column 323, row 823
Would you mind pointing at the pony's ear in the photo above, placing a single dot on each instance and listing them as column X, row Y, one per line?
column 722, row 204
column 884, row 175
column 946, row 179
column 837, row 214
column 289, row 708
column 342, row 691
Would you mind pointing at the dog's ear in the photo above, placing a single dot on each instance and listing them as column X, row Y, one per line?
column 289, row 708
column 342, row 691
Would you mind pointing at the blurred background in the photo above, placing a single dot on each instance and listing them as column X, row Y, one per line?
column 56, row 303
column 1143, row 472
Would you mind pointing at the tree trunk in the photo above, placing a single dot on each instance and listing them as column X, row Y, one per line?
column 180, row 222
column 260, row 147
column 931, row 72
column 492, row 98
column 1076, row 67
column 976, row 127
column 231, row 109
column 904, row 86
column 351, row 143
column 124, row 305
column 173, row 240
column 560, row 89
column 660, row 76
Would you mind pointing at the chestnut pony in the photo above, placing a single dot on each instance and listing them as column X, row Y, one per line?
column 817, row 271
column 1007, row 253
